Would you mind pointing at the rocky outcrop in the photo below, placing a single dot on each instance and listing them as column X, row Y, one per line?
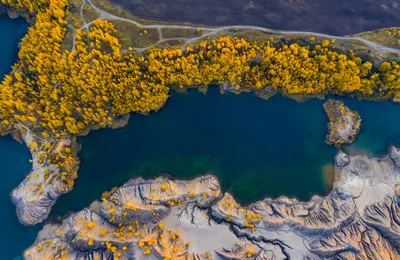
column 54, row 167
column 344, row 124
column 342, row 159
column 165, row 219
column 266, row 92
column 395, row 154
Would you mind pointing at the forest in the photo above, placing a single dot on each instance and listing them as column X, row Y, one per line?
column 69, row 91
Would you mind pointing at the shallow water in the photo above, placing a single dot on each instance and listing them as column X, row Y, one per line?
column 380, row 127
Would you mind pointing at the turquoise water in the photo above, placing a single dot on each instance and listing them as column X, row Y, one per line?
column 257, row 148
column 13, row 156
column 380, row 127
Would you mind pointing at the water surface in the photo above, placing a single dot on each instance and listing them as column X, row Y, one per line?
column 257, row 148
column 380, row 127
column 14, row 157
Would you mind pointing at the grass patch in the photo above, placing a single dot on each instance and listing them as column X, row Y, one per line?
column 253, row 36
column 181, row 33
column 73, row 19
column 68, row 39
column 170, row 43
column 132, row 36
column 389, row 37
column 89, row 14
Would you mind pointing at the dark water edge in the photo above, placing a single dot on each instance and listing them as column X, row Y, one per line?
column 14, row 157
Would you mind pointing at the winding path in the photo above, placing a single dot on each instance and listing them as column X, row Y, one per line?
column 209, row 31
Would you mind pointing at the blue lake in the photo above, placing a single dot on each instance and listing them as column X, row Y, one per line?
column 257, row 148
column 14, row 157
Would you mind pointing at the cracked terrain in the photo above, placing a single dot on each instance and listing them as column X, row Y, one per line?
column 176, row 219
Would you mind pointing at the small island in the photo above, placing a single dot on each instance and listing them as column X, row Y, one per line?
column 344, row 124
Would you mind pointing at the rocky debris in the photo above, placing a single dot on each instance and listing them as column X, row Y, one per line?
column 342, row 159
column 127, row 224
column 395, row 155
column 374, row 236
column 120, row 121
column 266, row 92
column 165, row 219
column 53, row 173
column 225, row 86
column 245, row 251
column 202, row 232
column 344, row 124
column 257, row 59
column 13, row 14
